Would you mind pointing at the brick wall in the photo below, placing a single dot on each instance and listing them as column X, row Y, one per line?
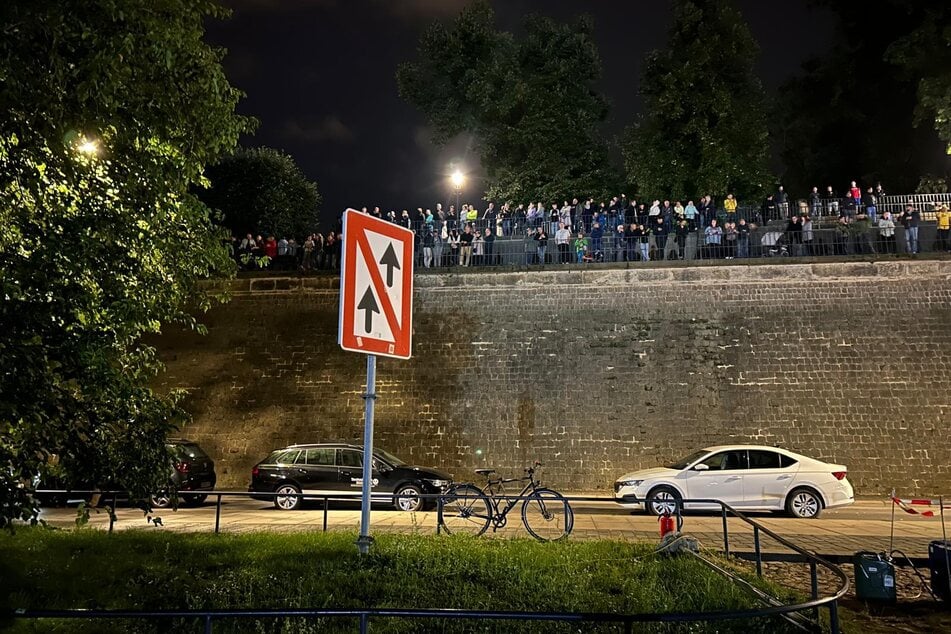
column 595, row 372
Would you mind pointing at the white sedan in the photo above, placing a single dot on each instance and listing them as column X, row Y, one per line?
column 746, row 477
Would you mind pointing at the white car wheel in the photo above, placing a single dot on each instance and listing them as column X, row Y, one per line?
column 663, row 499
column 804, row 503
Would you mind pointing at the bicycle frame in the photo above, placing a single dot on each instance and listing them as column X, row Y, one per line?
column 495, row 491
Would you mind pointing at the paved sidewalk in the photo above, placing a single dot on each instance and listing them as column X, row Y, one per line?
column 838, row 533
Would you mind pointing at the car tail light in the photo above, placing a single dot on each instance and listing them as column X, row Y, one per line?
column 839, row 475
column 181, row 467
column 254, row 472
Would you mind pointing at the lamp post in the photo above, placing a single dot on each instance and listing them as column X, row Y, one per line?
column 458, row 180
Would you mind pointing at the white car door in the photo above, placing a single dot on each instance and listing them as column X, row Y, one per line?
column 718, row 477
column 768, row 479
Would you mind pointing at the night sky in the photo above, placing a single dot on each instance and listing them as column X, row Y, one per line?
column 320, row 77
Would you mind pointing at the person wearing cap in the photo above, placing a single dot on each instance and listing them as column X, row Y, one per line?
column 943, row 218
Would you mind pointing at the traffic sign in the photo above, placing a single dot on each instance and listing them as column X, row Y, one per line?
column 376, row 287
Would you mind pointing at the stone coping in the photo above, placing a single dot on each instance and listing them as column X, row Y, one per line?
column 755, row 271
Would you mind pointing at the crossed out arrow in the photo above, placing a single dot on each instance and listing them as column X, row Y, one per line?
column 368, row 301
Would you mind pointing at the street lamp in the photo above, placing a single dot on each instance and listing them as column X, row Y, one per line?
column 458, row 180
column 88, row 147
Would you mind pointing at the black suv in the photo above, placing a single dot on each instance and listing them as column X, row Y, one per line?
column 191, row 475
column 334, row 469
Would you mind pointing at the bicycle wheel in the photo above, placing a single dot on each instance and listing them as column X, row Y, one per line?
column 465, row 511
column 547, row 515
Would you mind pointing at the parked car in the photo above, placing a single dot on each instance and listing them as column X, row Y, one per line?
column 334, row 469
column 746, row 477
column 191, row 476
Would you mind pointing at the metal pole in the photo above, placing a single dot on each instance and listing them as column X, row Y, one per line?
column 208, row 624
column 364, row 623
column 944, row 538
column 814, row 577
column 364, row 541
column 834, row 617
column 726, row 535
column 326, row 502
column 759, row 557
column 891, row 539
column 218, row 514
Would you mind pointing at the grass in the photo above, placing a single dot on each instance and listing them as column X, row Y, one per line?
column 41, row 568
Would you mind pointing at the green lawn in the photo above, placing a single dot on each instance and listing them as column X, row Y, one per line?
column 42, row 568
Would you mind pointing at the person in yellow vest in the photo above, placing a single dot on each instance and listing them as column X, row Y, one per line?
column 943, row 216
column 729, row 205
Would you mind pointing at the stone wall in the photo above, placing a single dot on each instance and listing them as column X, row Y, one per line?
column 595, row 372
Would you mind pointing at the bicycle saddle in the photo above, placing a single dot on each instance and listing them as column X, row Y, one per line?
column 484, row 472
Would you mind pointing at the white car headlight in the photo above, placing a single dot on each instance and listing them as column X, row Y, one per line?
column 439, row 484
column 629, row 483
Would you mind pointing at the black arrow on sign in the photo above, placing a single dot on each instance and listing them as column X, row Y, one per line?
column 390, row 261
column 368, row 304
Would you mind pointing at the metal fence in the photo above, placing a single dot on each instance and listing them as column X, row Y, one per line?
column 773, row 241
column 803, row 612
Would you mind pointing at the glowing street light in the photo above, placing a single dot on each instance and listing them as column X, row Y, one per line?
column 458, row 180
column 89, row 147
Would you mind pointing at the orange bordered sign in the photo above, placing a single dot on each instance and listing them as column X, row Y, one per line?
column 376, row 287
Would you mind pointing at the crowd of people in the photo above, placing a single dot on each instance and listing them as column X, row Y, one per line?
column 624, row 229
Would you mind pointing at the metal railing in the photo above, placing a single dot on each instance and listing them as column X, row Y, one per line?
column 808, row 609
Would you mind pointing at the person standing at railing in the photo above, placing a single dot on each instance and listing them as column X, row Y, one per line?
column 562, row 238
column 683, row 231
column 453, row 241
column 815, row 202
column 870, row 202
column 782, row 202
column 660, row 231
column 465, row 246
column 832, row 202
column 743, row 230
column 690, row 214
column 729, row 206
column 541, row 244
column 478, row 248
column 643, row 235
column 597, row 242
column 489, row 246
column 910, row 219
column 855, row 193
column 768, row 209
column 886, row 233
column 943, row 218
column 712, row 236
column 807, row 235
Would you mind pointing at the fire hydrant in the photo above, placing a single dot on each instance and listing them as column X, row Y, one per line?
column 667, row 523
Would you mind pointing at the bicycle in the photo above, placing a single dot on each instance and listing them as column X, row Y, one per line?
column 467, row 509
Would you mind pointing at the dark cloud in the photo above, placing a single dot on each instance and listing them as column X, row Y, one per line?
column 330, row 129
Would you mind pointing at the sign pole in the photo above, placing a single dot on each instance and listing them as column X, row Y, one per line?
column 364, row 541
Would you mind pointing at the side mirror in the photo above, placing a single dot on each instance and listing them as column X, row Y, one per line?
column 701, row 467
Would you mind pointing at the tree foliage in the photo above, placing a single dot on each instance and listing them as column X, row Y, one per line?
column 98, row 250
column 528, row 100
column 850, row 115
column 263, row 191
column 925, row 55
column 704, row 127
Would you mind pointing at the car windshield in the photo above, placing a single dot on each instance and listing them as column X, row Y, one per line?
column 683, row 463
column 386, row 455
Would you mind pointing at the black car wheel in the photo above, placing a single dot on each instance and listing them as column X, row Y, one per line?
column 287, row 498
column 408, row 498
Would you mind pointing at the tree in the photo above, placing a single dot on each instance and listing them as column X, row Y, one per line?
column 110, row 110
column 704, row 127
column 529, row 101
column 850, row 115
column 262, row 190
column 925, row 55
